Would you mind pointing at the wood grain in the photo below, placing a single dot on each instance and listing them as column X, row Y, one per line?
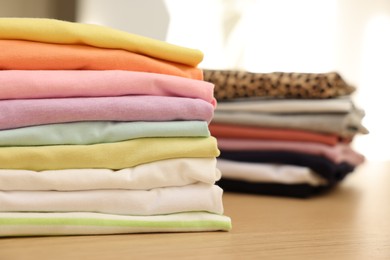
column 350, row 222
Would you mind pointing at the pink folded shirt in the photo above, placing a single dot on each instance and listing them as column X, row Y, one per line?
column 28, row 112
column 27, row 84
column 338, row 153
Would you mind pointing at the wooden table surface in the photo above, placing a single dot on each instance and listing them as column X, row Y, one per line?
column 351, row 222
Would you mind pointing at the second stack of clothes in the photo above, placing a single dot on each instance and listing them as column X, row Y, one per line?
column 284, row 134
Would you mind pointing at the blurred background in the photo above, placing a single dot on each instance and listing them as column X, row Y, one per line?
column 351, row 37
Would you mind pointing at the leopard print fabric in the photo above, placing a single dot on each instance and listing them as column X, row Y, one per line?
column 231, row 84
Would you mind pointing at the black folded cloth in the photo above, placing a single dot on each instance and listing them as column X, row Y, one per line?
column 321, row 165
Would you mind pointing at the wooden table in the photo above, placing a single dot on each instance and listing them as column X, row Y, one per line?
column 351, row 222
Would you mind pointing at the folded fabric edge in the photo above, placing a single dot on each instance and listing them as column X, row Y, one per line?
column 45, row 224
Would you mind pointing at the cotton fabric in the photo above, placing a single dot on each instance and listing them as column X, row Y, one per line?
column 328, row 170
column 195, row 197
column 345, row 125
column 338, row 153
column 63, row 32
column 26, row 84
column 289, row 106
column 30, row 112
column 100, row 132
column 91, row 223
column 301, row 191
column 221, row 130
column 269, row 173
column 164, row 173
column 117, row 155
column 25, row 55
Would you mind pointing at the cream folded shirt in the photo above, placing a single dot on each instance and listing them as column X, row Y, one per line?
column 195, row 197
column 165, row 173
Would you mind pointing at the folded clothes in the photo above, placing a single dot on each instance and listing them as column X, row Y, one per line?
column 30, row 112
column 289, row 106
column 26, row 84
column 337, row 154
column 273, row 189
column 99, row 132
column 344, row 125
column 220, row 130
column 63, row 32
column 231, row 84
column 327, row 169
column 117, row 155
column 268, row 173
column 165, row 173
column 25, row 55
column 90, row 223
column 195, row 197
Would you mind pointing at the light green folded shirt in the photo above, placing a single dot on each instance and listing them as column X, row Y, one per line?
column 100, row 132
column 89, row 223
column 117, row 155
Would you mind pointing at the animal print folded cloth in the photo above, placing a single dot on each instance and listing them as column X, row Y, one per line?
column 230, row 84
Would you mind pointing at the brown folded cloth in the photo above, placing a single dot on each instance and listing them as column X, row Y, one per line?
column 230, row 84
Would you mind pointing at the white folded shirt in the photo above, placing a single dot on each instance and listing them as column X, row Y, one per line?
column 195, row 197
column 271, row 173
column 287, row 106
column 165, row 173
column 89, row 223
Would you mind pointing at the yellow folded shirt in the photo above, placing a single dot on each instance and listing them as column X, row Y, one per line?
column 108, row 155
column 62, row 32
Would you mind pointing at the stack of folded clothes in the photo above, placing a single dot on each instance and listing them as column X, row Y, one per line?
column 103, row 132
column 286, row 134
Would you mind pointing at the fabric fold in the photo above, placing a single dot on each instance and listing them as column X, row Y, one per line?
column 328, row 170
column 63, row 32
column 289, row 106
column 26, row 55
column 99, row 132
column 117, row 155
column 269, row 173
column 235, row 84
column 345, row 125
column 221, row 130
column 29, row 112
column 273, row 189
column 89, row 223
column 164, row 173
column 26, row 84
column 338, row 153
column 195, row 197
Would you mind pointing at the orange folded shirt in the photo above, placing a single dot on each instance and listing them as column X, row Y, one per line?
column 28, row 55
column 243, row 132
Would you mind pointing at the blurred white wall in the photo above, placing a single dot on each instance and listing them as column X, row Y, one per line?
column 144, row 17
column 348, row 36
